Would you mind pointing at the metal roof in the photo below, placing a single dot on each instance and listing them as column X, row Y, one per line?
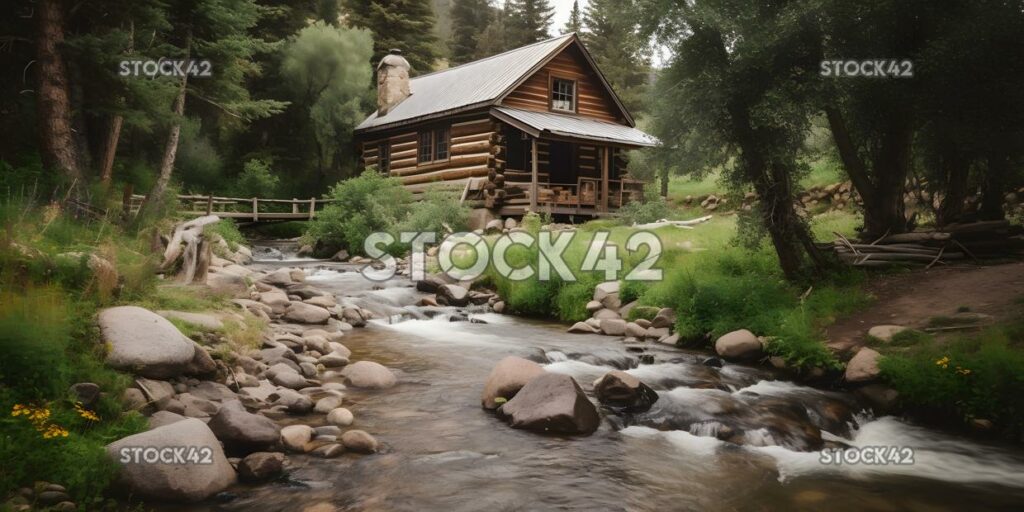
column 573, row 127
column 471, row 85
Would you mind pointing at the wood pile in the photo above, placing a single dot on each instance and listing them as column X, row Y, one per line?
column 953, row 242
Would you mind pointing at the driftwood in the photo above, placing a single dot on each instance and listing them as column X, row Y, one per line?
column 930, row 248
column 188, row 244
column 683, row 224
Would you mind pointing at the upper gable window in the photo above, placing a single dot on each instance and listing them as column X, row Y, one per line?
column 563, row 95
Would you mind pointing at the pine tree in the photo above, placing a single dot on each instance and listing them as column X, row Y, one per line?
column 469, row 19
column 613, row 37
column 407, row 25
column 528, row 21
column 575, row 23
column 494, row 39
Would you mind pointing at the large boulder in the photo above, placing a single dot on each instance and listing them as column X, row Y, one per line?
column 173, row 476
column 613, row 326
column 605, row 289
column 260, row 466
column 276, row 299
column 296, row 437
column 741, row 344
column 279, row 277
column 507, row 378
column 303, row 313
column 666, row 317
column 453, row 295
column 243, row 430
column 145, row 343
column 368, row 374
column 863, row 367
column 620, row 389
column 552, row 402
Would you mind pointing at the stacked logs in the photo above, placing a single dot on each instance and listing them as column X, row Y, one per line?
column 952, row 243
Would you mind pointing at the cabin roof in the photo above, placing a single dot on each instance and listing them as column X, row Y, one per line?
column 476, row 84
column 575, row 127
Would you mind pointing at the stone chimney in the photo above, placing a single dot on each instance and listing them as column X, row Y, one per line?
column 392, row 81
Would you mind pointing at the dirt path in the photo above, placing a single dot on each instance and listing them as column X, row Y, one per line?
column 912, row 299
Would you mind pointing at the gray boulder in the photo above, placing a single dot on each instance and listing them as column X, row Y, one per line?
column 370, row 375
column 741, row 344
column 453, row 295
column 620, row 389
column 303, row 313
column 613, row 326
column 359, row 441
column 181, row 480
column 144, row 342
column 863, row 367
column 243, row 430
column 260, row 466
column 507, row 378
column 554, row 403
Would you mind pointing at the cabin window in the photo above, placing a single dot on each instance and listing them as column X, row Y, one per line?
column 441, row 143
column 563, row 94
column 433, row 145
column 384, row 157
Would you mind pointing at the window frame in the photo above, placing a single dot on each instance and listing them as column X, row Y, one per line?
column 552, row 80
column 433, row 136
column 384, row 157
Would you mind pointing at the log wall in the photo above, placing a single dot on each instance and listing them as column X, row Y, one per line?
column 592, row 99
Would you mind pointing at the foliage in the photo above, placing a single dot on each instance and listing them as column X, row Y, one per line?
column 34, row 334
column 228, row 230
column 436, row 211
column 527, row 21
column 404, row 24
column 631, row 290
column 623, row 54
column 575, row 21
column 977, row 376
column 362, row 205
column 469, row 17
column 325, row 70
column 651, row 209
column 256, row 180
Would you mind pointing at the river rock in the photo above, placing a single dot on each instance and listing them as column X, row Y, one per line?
column 341, row 417
column 284, row 375
column 494, row 226
column 86, row 393
column 323, row 301
column 144, row 343
column 666, row 317
column 276, row 299
column 295, row 437
column 613, row 326
column 606, row 314
column 242, row 430
column 260, row 466
column 507, row 378
column 885, row 333
column 605, row 289
column 593, row 306
column 202, row 364
column 583, row 327
column 187, row 482
column 430, row 284
column 370, row 375
column 359, row 441
column 293, row 401
column 304, row 313
column 453, row 295
column 328, row 404
column 161, row 418
column 634, row 330
column 157, row 391
column 333, row 360
column 552, row 402
column 279, row 277
column 863, row 367
column 620, row 389
column 741, row 344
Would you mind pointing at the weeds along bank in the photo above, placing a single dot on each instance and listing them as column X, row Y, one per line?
column 61, row 403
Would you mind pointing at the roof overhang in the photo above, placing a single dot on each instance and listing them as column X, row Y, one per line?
column 550, row 125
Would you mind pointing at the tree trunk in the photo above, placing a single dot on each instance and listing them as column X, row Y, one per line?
column 57, row 143
column 171, row 147
column 107, row 167
column 664, row 182
column 992, row 187
column 955, row 170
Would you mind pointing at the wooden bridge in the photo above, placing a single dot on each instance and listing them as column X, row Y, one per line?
column 248, row 209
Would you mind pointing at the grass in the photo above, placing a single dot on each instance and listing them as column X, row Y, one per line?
column 966, row 377
column 228, row 230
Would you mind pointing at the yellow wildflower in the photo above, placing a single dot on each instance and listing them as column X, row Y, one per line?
column 85, row 413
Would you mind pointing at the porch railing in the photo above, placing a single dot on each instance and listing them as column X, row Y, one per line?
column 586, row 193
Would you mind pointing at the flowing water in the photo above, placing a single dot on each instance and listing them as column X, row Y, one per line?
column 442, row 451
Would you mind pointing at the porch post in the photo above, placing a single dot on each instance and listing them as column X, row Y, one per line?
column 604, row 179
column 533, row 174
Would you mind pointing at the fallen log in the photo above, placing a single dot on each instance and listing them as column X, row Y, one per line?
column 188, row 244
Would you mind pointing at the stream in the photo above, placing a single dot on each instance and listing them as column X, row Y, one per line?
column 442, row 451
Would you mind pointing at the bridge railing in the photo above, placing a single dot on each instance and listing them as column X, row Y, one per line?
column 243, row 208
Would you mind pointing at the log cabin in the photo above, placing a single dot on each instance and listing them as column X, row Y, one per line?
column 536, row 129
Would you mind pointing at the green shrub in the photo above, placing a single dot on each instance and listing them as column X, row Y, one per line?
column 572, row 299
column 256, row 180
column 228, row 230
column 363, row 205
column 435, row 211
column 651, row 209
column 34, row 332
column 975, row 376
column 631, row 290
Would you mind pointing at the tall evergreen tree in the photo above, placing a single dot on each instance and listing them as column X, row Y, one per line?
column 575, row 22
column 495, row 38
column 404, row 24
column 614, row 38
column 469, row 19
column 528, row 21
